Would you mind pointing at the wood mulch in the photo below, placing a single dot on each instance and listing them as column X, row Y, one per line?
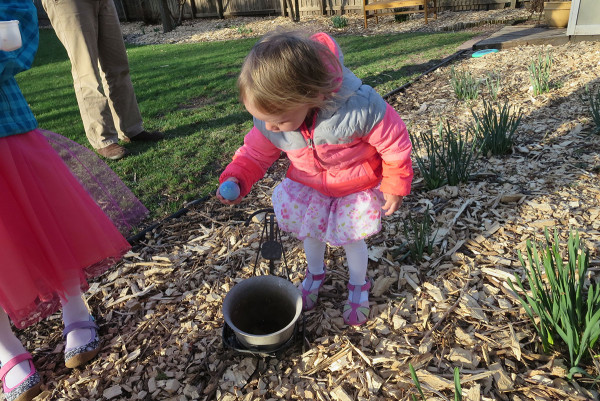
column 159, row 310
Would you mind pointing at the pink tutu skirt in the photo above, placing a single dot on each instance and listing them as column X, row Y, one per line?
column 54, row 221
column 305, row 212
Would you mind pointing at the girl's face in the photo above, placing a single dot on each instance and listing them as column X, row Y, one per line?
column 285, row 121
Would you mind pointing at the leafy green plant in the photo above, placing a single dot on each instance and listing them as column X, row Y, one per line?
column 559, row 303
column 495, row 128
column 339, row 21
column 465, row 86
column 457, row 386
column 492, row 83
column 449, row 156
column 418, row 232
column 415, row 379
column 429, row 164
column 456, row 154
column 401, row 17
column 243, row 29
column 539, row 73
column 594, row 99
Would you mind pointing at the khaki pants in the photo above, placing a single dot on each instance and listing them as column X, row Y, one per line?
column 90, row 32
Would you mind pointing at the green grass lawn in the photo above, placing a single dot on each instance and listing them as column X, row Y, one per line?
column 188, row 92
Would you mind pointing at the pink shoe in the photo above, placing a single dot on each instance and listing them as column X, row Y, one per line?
column 356, row 313
column 309, row 297
column 29, row 388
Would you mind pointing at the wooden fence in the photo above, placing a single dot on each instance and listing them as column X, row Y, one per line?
column 149, row 11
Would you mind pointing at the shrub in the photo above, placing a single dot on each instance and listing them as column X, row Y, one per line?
column 465, row 86
column 539, row 73
column 401, row 17
column 559, row 303
column 339, row 21
column 494, row 128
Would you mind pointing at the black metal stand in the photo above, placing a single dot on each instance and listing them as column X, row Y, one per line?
column 270, row 246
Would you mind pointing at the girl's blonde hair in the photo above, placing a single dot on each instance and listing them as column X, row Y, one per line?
column 286, row 69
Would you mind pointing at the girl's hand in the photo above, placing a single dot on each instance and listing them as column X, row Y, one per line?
column 392, row 203
column 227, row 201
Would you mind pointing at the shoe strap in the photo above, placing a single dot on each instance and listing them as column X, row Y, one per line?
column 365, row 287
column 310, row 278
column 355, row 290
column 88, row 324
column 12, row 363
column 315, row 277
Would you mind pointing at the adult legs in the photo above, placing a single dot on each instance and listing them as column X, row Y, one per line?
column 115, row 66
column 76, row 25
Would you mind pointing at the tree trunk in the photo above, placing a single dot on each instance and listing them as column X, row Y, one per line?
column 165, row 16
column 147, row 12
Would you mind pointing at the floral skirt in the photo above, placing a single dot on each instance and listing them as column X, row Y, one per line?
column 53, row 230
column 305, row 212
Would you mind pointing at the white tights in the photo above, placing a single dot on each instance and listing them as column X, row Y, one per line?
column 74, row 309
column 10, row 347
column 356, row 254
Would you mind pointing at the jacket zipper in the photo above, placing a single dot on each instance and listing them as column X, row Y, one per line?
column 308, row 135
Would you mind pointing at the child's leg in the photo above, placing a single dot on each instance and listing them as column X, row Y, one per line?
column 356, row 309
column 74, row 310
column 315, row 255
column 357, row 256
column 315, row 272
column 10, row 347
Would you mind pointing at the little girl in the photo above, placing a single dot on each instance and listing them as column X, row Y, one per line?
column 53, row 234
column 349, row 154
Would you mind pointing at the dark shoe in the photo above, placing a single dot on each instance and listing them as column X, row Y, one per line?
column 114, row 151
column 146, row 136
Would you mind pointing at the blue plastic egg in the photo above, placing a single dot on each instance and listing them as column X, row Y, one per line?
column 229, row 190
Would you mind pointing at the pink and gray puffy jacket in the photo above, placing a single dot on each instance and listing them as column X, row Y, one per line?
column 360, row 143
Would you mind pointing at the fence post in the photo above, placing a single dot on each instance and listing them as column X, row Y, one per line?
column 283, row 6
column 220, row 8
column 193, row 8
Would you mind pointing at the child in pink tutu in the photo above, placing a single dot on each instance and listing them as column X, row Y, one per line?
column 53, row 234
column 349, row 154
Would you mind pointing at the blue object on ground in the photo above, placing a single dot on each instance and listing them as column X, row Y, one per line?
column 229, row 190
column 483, row 52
